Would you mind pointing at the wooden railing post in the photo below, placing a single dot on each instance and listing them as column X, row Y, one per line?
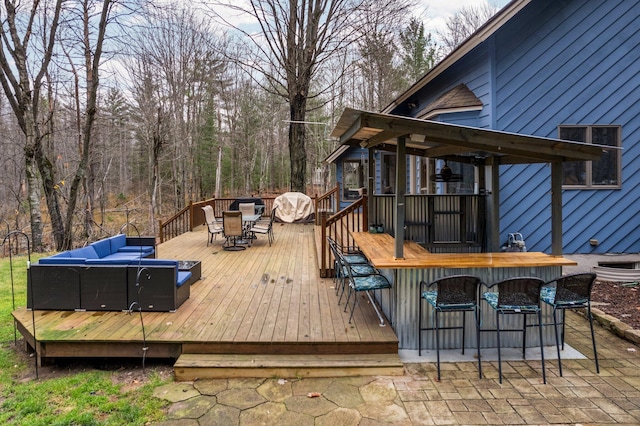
column 365, row 214
column 315, row 207
column 160, row 230
column 323, row 243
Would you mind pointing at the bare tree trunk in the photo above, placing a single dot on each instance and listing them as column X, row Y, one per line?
column 22, row 87
column 218, row 171
column 218, row 184
column 297, row 37
column 33, row 195
column 297, row 143
column 93, row 64
column 157, row 148
column 49, row 184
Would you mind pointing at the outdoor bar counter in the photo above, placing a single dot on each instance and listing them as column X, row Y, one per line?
column 418, row 264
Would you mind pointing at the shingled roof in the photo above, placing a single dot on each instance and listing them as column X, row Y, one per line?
column 460, row 98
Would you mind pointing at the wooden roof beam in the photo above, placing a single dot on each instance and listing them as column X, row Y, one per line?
column 485, row 140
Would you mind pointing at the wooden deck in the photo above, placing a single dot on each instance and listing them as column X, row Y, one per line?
column 263, row 300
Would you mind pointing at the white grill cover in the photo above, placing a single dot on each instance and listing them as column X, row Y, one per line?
column 294, row 207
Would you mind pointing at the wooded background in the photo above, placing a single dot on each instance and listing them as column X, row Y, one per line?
column 115, row 111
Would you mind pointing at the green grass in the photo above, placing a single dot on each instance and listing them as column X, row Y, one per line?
column 90, row 397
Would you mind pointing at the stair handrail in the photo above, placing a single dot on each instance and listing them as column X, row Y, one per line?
column 327, row 203
column 353, row 218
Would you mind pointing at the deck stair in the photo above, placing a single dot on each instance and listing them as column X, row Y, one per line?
column 190, row 367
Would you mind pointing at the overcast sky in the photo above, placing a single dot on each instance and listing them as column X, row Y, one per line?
column 436, row 12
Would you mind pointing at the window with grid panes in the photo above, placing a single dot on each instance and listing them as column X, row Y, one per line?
column 598, row 174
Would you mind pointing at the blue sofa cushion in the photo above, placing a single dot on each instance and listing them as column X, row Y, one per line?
column 124, row 257
column 72, row 257
column 62, row 254
column 117, row 242
column 88, row 252
column 108, row 261
column 139, row 250
column 156, row 262
column 62, row 260
column 183, row 277
column 102, row 248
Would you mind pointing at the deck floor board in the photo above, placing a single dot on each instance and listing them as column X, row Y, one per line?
column 251, row 300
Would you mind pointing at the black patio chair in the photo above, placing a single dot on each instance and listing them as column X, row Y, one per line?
column 367, row 284
column 570, row 292
column 457, row 293
column 360, row 268
column 350, row 254
column 517, row 296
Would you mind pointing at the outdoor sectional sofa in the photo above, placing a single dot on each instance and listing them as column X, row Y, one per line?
column 113, row 274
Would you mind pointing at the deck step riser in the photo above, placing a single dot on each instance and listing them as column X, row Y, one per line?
column 284, row 349
column 190, row 367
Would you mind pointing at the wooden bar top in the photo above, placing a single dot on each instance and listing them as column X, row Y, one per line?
column 380, row 249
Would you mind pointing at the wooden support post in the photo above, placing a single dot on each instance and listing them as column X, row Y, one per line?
column 372, row 216
column 494, row 218
column 556, row 208
column 401, row 187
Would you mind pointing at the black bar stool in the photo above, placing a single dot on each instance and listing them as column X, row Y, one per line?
column 570, row 292
column 517, row 296
column 457, row 293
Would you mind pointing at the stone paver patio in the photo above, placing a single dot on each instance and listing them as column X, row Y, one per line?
column 579, row 397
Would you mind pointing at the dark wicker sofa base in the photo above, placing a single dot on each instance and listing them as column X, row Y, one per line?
column 158, row 288
column 120, row 280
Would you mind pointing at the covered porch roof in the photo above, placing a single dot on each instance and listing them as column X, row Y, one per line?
column 459, row 143
column 412, row 136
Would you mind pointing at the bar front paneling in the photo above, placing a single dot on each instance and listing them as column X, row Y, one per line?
column 405, row 312
column 402, row 308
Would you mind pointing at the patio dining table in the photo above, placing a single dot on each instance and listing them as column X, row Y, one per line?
column 248, row 220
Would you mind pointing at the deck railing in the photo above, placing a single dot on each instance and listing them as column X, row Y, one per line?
column 327, row 203
column 176, row 225
column 192, row 215
column 352, row 218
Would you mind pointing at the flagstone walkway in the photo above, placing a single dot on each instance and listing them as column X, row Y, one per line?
column 579, row 397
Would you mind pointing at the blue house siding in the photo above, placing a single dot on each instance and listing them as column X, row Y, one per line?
column 571, row 63
column 561, row 73
column 473, row 70
column 469, row 118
